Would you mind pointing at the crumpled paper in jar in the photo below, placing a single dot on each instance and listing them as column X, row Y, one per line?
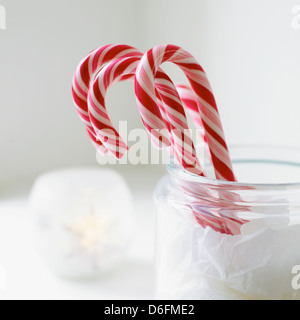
column 197, row 264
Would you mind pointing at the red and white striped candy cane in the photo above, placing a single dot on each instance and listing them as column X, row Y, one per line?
column 190, row 100
column 86, row 71
column 119, row 70
column 99, row 146
column 169, row 101
column 145, row 89
column 83, row 76
column 183, row 144
column 165, row 94
column 218, row 210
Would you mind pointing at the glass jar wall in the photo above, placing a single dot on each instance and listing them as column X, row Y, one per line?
column 223, row 240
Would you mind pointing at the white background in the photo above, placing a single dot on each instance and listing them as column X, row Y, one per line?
column 248, row 48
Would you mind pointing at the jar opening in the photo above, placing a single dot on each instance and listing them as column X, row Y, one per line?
column 255, row 167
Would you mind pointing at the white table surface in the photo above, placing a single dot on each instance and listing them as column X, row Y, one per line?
column 26, row 277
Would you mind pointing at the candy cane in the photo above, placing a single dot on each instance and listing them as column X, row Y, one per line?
column 85, row 72
column 177, row 125
column 145, row 89
column 216, row 210
column 99, row 146
column 210, row 121
column 166, row 112
column 120, row 70
column 183, row 144
column 100, row 121
column 190, row 100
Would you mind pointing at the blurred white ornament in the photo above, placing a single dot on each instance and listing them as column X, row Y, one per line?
column 83, row 221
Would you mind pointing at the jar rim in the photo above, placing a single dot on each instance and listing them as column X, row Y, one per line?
column 176, row 170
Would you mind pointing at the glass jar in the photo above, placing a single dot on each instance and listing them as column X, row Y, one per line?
column 222, row 240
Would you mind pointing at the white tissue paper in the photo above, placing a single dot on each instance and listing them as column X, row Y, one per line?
column 194, row 263
column 83, row 221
